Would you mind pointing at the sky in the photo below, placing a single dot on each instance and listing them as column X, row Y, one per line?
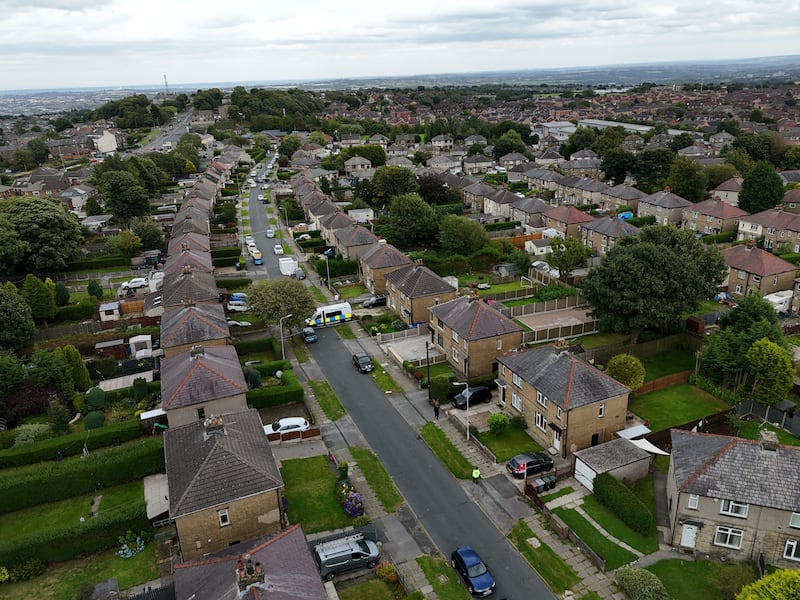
column 113, row 43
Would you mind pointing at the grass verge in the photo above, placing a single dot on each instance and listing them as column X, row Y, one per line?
column 558, row 575
column 615, row 556
column 378, row 478
column 374, row 589
column 345, row 332
column 319, row 296
column 310, row 491
column 301, row 354
column 443, row 448
column 442, row 578
column 327, row 399
column 384, row 380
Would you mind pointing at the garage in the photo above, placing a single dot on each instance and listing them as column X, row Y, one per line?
column 620, row 457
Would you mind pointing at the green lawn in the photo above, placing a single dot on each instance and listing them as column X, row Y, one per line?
column 604, row 338
column 514, row 441
column 301, row 354
column 318, row 294
column 328, row 401
column 613, row 525
column 558, row 575
column 444, row 580
column 701, row 579
column 443, row 448
column 350, row 291
column 750, row 429
column 374, row 589
column 310, row 490
column 378, row 478
column 591, row 596
column 345, row 332
column 615, row 556
column 675, row 405
column 562, row 492
column 442, row 368
column 667, row 363
column 384, row 380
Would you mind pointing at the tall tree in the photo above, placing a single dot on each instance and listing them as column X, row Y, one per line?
column 652, row 169
column 686, row 178
column 277, row 298
column 12, row 248
column 125, row 242
column 414, row 222
column 716, row 174
column 510, row 141
column 17, row 327
column 566, row 255
column 149, row 233
column 783, row 584
column 460, row 235
column 77, row 368
column 582, row 137
column 761, row 188
column 617, row 163
column 49, row 369
column 772, row 372
column 40, row 150
column 39, row 298
column 124, row 195
column 432, row 189
column 11, row 373
column 389, row 182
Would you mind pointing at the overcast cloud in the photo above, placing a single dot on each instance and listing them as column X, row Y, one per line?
column 76, row 43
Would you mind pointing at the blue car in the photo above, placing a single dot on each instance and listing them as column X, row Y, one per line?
column 473, row 571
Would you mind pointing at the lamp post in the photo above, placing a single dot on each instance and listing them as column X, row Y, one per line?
column 428, row 363
column 285, row 216
column 328, row 270
column 466, row 392
column 280, row 322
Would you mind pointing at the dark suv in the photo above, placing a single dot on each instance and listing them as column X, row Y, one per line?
column 476, row 394
column 527, row 464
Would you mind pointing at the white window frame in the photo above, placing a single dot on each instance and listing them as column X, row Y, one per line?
column 558, row 413
column 730, row 534
column 541, row 399
column 454, row 335
column 791, row 551
column 516, row 401
column 541, row 421
column 455, row 354
column 516, row 380
column 601, row 410
column 693, row 502
column 502, row 369
column 794, row 520
column 499, row 343
column 732, row 508
column 223, row 517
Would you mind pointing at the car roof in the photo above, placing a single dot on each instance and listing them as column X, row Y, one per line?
column 469, row 555
column 291, row 421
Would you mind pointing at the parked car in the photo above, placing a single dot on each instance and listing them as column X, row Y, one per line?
column 473, row 571
column 238, row 306
column 232, row 323
column 299, row 273
column 478, row 393
column 278, row 249
column 309, row 335
column 286, row 425
column 353, row 551
column 527, row 464
column 378, row 300
column 270, row 233
column 302, row 237
column 260, row 196
column 134, row 284
column 238, row 296
column 363, row 362
column 541, row 265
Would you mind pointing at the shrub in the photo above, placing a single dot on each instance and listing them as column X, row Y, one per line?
column 59, row 416
column 75, row 312
column 62, row 294
column 95, row 398
column 253, row 379
column 518, row 422
column 387, row 572
column 627, row 369
column 440, row 388
column 139, row 388
column 619, row 499
column 354, row 504
column 343, row 469
column 94, row 289
column 94, row 420
column 27, row 569
column 641, row 584
column 361, row 521
column 498, row 423
column 28, row 433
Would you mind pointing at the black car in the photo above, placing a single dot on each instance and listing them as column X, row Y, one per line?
column 363, row 362
column 478, row 393
column 379, row 300
column 473, row 571
column 527, row 464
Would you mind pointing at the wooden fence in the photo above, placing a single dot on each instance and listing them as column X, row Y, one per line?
column 663, row 382
column 645, row 349
column 543, row 307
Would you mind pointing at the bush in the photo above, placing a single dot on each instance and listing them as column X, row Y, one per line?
column 501, row 226
column 94, row 420
column 75, row 312
column 95, row 398
column 627, row 369
column 498, row 423
column 641, row 584
column 139, row 389
column 440, row 388
column 99, row 262
column 253, row 379
column 518, row 422
column 27, row 569
column 287, row 392
column 619, row 499
column 361, row 521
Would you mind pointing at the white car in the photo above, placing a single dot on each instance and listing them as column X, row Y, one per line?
column 134, row 284
column 287, row 425
column 232, row 323
column 249, row 239
column 261, row 196
column 278, row 249
column 237, row 306
column 302, row 237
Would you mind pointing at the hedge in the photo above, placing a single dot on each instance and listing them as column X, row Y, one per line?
column 115, row 396
column 51, row 482
column 287, row 392
column 234, row 283
column 501, row 226
column 793, row 258
column 75, row 312
column 256, row 346
column 99, row 262
column 227, row 261
column 719, row 238
column 619, row 499
column 641, row 584
column 68, row 541
column 227, row 251
column 70, row 444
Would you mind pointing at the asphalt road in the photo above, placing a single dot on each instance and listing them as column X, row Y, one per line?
column 259, row 223
column 438, row 500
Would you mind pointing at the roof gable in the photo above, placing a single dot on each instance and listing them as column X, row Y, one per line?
column 756, row 261
column 417, row 281
column 473, row 319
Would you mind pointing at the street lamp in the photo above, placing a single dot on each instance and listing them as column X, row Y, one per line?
column 285, row 216
column 328, row 270
column 428, row 362
column 280, row 323
column 466, row 393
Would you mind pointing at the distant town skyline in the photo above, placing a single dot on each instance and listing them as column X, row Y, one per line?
column 77, row 43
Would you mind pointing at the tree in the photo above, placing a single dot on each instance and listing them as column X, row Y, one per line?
column 52, row 236
column 627, row 369
column 686, row 178
column 62, row 294
column 124, row 196
column 717, row 174
column 125, row 242
column 393, row 181
column 772, row 371
column 616, row 163
column 652, row 169
column 149, row 233
column 682, row 140
column 277, row 298
column 761, row 189
column 39, row 298
column 510, row 141
column 12, row 248
column 581, row 138
column 791, row 158
column 94, row 289
column 372, row 152
column 11, row 373
column 610, row 138
column 17, row 327
column 783, row 584
column 460, row 235
column 59, row 416
column 413, row 221
column 23, row 160
column 290, row 144
column 77, row 368
column 566, row 255
column 40, row 150
column 651, row 279
column 93, row 207
column 49, row 369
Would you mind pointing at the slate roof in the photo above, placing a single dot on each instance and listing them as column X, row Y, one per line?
column 335, row 220
column 734, row 184
column 480, row 188
column 195, row 241
column 568, row 215
column 355, row 235
column 381, row 256
column 612, row 227
column 737, row 469
column 213, row 374
column 775, row 218
column 531, row 205
column 188, row 285
column 718, row 209
column 193, row 325
column 472, row 319
column 503, row 196
column 191, row 226
column 755, row 261
column 199, row 261
column 611, row 455
column 585, row 153
column 417, row 281
column 666, row 199
column 565, row 379
column 210, row 469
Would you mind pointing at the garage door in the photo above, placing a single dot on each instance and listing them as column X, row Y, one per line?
column 584, row 474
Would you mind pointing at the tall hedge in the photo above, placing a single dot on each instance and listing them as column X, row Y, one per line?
column 619, row 499
column 641, row 584
column 50, row 482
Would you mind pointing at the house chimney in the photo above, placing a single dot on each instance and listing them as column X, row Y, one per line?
column 184, row 247
column 248, row 573
column 561, row 345
column 196, row 350
column 213, row 424
column 188, row 302
column 768, row 440
column 186, row 270
column 750, row 245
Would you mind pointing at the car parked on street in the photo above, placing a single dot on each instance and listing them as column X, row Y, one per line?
column 529, row 463
column 232, row 323
column 478, row 393
column 278, row 249
column 363, row 362
column 473, row 571
column 270, row 233
column 309, row 335
column 299, row 273
column 287, row 425
column 237, row 306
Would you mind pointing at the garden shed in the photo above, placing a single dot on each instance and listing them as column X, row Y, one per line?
column 620, row 457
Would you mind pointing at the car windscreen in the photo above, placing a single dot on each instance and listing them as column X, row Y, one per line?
column 476, row 570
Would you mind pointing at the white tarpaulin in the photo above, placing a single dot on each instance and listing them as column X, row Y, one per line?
column 645, row 445
column 633, row 432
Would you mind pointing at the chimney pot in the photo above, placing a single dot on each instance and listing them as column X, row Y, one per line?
column 768, row 440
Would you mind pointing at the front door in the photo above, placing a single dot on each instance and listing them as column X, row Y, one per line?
column 688, row 536
column 556, row 439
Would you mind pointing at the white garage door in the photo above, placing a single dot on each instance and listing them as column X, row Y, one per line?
column 584, row 474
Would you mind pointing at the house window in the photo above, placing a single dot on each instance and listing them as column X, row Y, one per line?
column 516, row 401
column 601, row 410
column 499, row 343
column 201, row 413
column 792, row 550
column 783, row 234
column 728, row 537
column 734, row 509
column 440, row 323
column 455, row 336
column 502, row 369
column 541, row 422
column 775, row 280
column 455, row 354
column 541, row 398
column 794, row 520
column 558, row 413
column 741, row 275
column 753, row 227
column 756, row 278
column 224, row 519
column 770, row 230
column 516, row 380
column 738, row 289
column 694, row 500
column 436, row 301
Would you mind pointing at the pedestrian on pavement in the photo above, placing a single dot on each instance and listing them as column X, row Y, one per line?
column 476, row 475
column 436, row 409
